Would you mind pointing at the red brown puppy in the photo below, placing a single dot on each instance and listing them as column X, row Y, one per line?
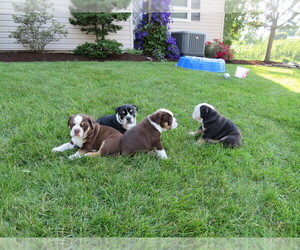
column 90, row 136
column 145, row 136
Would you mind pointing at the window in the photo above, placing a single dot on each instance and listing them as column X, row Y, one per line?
column 195, row 16
column 180, row 3
column 180, row 15
column 186, row 10
column 196, row 4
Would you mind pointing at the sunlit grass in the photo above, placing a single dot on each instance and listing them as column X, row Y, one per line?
column 288, row 78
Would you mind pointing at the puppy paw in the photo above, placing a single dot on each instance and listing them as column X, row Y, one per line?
column 74, row 156
column 163, row 157
column 56, row 149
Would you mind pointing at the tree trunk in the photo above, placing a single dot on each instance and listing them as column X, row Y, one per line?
column 97, row 36
column 271, row 36
column 270, row 44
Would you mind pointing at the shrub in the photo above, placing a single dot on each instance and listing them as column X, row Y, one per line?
column 152, row 34
column 217, row 49
column 37, row 27
column 281, row 35
column 133, row 52
column 100, row 23
column 100, row 49
column 287, row 49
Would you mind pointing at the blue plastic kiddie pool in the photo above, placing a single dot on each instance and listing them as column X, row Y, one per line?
column 202, row 63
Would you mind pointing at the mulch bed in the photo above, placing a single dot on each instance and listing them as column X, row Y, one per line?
column 54, row 57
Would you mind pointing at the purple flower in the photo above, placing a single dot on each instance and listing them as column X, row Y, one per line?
column 154, row 37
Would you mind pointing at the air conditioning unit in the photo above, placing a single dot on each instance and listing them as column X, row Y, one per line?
column 190, row 43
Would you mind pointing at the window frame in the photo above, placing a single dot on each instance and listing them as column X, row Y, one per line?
column 188, row 10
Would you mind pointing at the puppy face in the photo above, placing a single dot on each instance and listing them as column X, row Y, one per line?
column 80, row 125
column 201, row 110
column 126, row 115
column 163, row 120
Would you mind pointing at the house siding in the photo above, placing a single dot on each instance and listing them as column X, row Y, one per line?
column 74, row 37
column 211, row 20
column 211, row 23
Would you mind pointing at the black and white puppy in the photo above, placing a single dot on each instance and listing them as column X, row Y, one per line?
column 123, row 119
column 215, row 127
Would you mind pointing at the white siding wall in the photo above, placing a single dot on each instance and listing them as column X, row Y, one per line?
column 62, row 14
column 211, row 23
column 211, row 20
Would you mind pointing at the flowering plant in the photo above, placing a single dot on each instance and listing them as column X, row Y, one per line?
column 217, row 49
column 152, row 34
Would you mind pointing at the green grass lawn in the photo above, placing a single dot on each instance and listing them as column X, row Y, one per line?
column 200, row 191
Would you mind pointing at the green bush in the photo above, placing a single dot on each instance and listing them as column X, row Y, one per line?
column 133, row 52
column 37, row 26
column 287, row 49
column 99, row 50
column 281, row 35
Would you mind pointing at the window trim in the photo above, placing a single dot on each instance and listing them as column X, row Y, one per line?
column 188, row 10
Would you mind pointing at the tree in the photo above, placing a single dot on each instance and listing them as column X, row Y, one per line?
column 96, row 17
column 280, row 14
column 37, row 27
column 235, row 20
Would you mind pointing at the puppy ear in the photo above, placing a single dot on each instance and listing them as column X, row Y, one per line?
column 92, row 122
column 157, row 117
column 136, row 108
column 70, row 119
column 117, row 109
column 204, row 110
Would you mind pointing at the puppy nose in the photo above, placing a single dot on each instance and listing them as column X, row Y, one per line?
column 128, row 118
column 76, row 131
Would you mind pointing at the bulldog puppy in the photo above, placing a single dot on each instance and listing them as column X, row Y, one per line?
column 215, row 127
column 89, row 136
column 123, row 119
column 145, row 136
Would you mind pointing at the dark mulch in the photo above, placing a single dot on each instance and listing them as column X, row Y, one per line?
column 253, row 62
column 54, row 57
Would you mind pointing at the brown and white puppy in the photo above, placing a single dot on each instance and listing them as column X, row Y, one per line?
column 145, row 136
column 215, row 127
column 90, row 136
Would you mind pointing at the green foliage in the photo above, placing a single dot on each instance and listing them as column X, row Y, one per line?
column 100, row 49
column 283, row 50
column 133, row 51
column 281, row 35
column 289, row 29
column 99, row 6
column 99, row 24
column 96, row 17
column 86, row 15
column 37, row 27
column 234, row 23
column 205, row 191
column 155, row 41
